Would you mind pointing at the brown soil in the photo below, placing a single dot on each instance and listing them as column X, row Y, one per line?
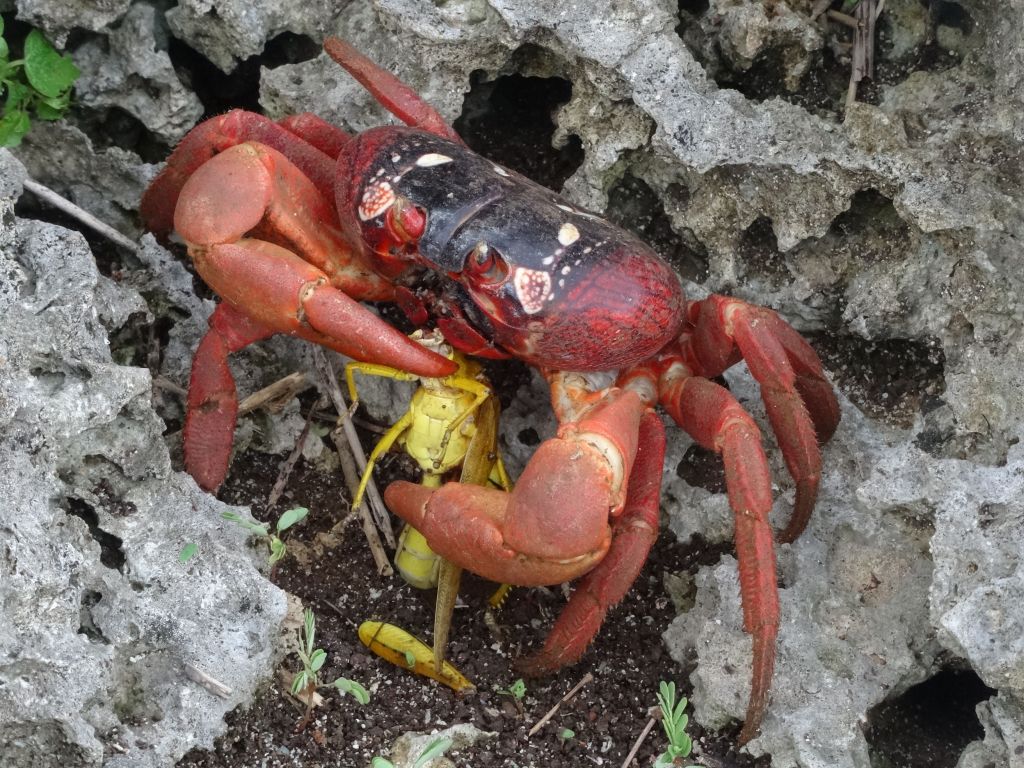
column 627, row 660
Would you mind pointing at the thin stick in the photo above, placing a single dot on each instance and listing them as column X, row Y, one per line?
column 843, row 18
column 212, row 684
column 639, row 742
column 47, row 195
column 348, row 469
column 275, row 396
column 380, row 512
column 289, row 464
column 551, row 712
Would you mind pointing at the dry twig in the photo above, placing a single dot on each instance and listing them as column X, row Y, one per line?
column 47, row 195
column 212, row 684
column 639, row 741
column 289, row 464
column 551, row 712
column 275, row 396
column 380, row 512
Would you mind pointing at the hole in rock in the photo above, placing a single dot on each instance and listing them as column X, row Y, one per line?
column 509, row 120
column 929, row 725
column 111, row 553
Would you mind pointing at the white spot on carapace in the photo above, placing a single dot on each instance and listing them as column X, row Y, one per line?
column 566, row 270
column 561, row 282
column 396, row 158
column 532, row 287
column 500, row 171
column 431, row 159
column 588, row 249
column 568, row 234
column 380, row 172
column 377, row 198
column 547, row 261
column 565, row 208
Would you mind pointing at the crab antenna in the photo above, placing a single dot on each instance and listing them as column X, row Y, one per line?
column 397, row 97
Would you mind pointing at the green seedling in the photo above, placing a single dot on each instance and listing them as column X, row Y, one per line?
column 37, row 84
column 307, row 681
column 277, row 546
column 566, row 734
column 517, row 690
column 673, row 720
column 434, row 749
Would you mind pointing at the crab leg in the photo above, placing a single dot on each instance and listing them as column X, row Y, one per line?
column 800, row 403
column 554, row 525
column 313, row 129
column 212, row 137
column 212, row 400
column 633, row 535
column 397, row 97
column 713, row 417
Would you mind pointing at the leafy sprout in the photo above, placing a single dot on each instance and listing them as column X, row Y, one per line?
column 278, row 549
column 39, row 82
column 674, row 721
column 517, row 690
column 307, row 681
column 434, row 749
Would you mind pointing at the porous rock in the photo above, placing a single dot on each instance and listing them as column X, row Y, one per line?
column 102, row 622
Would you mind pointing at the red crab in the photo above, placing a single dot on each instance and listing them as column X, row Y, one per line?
column 294, row 223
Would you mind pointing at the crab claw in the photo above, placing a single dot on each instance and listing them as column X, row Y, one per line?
column 555, row 525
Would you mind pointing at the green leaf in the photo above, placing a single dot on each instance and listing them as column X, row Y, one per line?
column 187, row 552
column 566, row 733
column 260, row 529
column 308, row 629
column 380, row 762
column 358, row 692
column 317, row 659
column 436, row 748
column 410, row 659
column 4, row 50
column 18, row 94
column 300, row 682
column 290, row 518
column 13, row 126
column 278, row 550
column 49, row 72
column 518, row 689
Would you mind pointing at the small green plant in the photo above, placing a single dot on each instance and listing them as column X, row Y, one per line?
column 673, row 720
column 566, row 734
column 39, row 82
column 517, row 690
column 307, row 681
column 434, row 749
column 277, row 546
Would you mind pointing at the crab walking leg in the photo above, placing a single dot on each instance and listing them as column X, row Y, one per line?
column 554, row 525
column 397, row 97
column 713, row 417
column 212, row 399
column 722, row 322
column 633, row 535
column 212, row 137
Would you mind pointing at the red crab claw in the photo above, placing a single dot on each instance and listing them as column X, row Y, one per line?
column 587, row 503
column 554, row 526
column 800, row 402
column 260, row 235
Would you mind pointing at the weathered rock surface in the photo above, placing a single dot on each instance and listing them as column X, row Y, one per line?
column 890, row 230
column 96, row 639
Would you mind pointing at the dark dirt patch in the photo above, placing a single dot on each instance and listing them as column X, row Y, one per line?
column 627, row 660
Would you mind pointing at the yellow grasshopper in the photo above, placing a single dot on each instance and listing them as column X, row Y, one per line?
column 451, row 424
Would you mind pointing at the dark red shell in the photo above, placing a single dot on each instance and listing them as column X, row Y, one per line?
column 576, row 292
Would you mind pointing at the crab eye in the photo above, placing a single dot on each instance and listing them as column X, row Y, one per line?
column 485, row 264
